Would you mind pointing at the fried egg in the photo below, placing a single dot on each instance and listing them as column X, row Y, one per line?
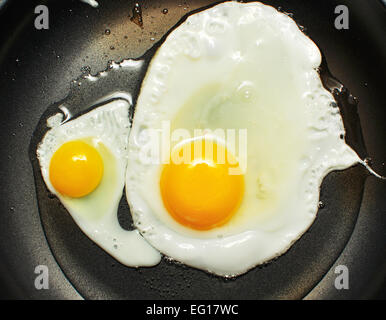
column 248, row 69
column 83, row 163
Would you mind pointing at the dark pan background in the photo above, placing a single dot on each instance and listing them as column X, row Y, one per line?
column 36, row 70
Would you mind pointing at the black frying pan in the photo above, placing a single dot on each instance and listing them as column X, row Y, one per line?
column 36, row 71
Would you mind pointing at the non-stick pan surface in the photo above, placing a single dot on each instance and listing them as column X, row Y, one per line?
column 37, row 68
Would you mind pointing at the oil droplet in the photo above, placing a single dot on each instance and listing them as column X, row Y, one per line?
column 165, row 11
column 51, row 196
column 137, row 15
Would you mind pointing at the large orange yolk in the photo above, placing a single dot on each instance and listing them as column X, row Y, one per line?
column 76, row 169
column 200, row 193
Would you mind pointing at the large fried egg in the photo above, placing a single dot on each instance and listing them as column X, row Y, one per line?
column 83, row 163
column 244, row 67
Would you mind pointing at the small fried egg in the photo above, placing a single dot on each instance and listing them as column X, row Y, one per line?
column 83, row 163
column 244, row 67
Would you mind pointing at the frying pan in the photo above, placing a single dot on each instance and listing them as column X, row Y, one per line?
column 37, row 69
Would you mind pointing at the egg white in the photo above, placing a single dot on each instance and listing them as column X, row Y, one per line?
column 239, row 65
column 106, row 128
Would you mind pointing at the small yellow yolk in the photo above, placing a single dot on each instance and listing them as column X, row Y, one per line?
column 76, row 169
column 200, row 193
